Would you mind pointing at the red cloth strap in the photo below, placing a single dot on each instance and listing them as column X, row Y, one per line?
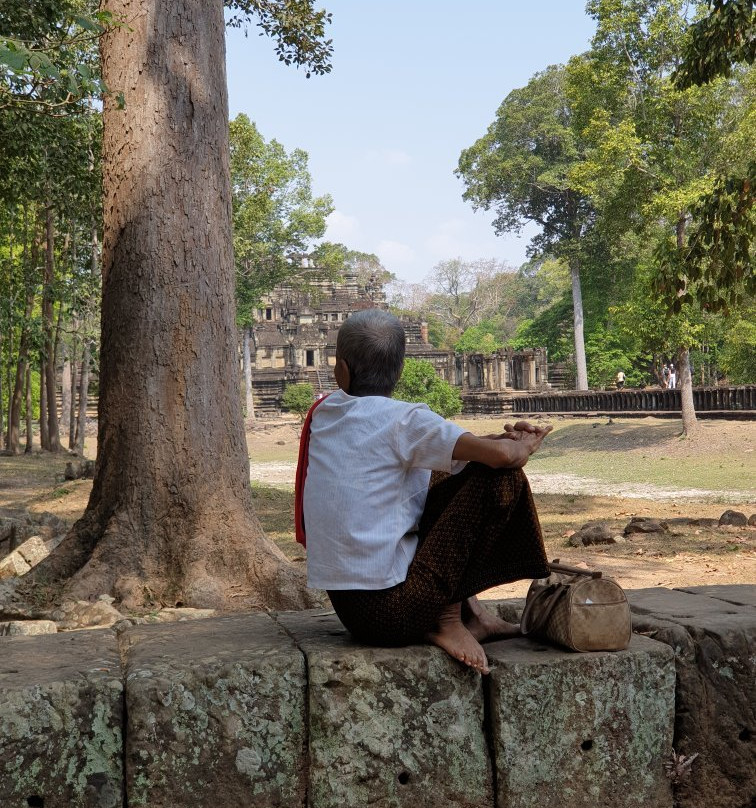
column 299, row 482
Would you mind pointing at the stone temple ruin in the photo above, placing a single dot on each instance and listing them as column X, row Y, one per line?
column 294, row 341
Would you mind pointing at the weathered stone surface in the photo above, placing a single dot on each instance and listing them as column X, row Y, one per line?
column 687, row 521
column 509, row 609
column 216, row 715
column 24, row 524
column 672, row 603
column 734, row 518
column 715, row 658
column 644, row 524
column 736, row 594
column 83, row 614
column 390, row 727
column 33, row 550
column 179, row 615
column 60, row 721
column 13, row 565
column 28, row 628
column 578, row 730
column 593, row 533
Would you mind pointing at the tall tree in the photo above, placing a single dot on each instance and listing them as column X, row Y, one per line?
column 521, row 169
column 275, row 219
column 652, row 146
column 170, row 518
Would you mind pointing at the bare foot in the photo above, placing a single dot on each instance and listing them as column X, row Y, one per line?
column 457, row 641
column 486, row 626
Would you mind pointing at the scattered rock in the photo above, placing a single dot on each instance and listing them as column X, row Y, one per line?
column 687, row 521
column 593, row 533
column 79, row 469
column 82, row 614
column 645, row 524
column 17, row 525
column 18, row 628
column 178, row 615
column 734, row 518
column 752, row 520
column 280, row 443
column 28, row 555
column 13, row 565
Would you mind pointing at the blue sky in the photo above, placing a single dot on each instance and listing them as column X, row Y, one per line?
column 413, row 83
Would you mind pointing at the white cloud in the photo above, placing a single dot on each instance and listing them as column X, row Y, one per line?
column 394, row 254
column 389, row 157
column 342, row 227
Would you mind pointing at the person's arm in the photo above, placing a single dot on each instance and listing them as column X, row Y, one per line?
column 511, row 449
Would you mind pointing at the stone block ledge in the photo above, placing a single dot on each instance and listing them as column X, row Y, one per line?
column 286, row 710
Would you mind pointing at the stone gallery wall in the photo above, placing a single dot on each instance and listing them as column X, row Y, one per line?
column 286, row 710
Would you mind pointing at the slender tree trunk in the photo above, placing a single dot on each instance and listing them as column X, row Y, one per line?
column 685, row 379
column 29, row 415
column 81, row 423
column 689, row 419
column 12, row 442
column 577, row 309
column 247, row 362
column 44, row 440
column 72, row 411
column 47, row 321
column 65, row 395
column 170, row 515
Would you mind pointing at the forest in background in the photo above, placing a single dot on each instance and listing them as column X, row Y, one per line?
column 639, row 173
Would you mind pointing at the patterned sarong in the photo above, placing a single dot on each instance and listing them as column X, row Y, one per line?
column 479, row 529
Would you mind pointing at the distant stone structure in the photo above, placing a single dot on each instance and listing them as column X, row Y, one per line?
column 294, row 341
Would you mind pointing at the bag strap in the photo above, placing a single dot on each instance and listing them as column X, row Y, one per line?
column 555, row 566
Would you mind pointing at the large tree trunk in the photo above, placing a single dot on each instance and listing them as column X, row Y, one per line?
column 577, row 310
column 170, row 517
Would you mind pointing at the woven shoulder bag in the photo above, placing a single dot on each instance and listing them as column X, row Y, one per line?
column 577, row 609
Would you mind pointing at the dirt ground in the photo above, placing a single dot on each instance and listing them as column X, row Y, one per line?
column 567, row 497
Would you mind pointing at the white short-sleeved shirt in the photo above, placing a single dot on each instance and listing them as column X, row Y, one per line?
column 370, row 460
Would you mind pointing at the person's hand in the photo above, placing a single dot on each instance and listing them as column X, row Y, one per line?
column 533, row 438
column 520, row 429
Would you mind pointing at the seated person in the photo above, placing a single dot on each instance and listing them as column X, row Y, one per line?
column 402, row 561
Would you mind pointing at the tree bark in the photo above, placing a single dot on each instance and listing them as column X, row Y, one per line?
column 687, row 407
column 170, row 517
column 249, row 409
column 688, row 410
column 577, row 310
column 43, row 435
column 29, row 419
column 81, row 422
column 53, row 438
column 12, row 443
column 72, row 411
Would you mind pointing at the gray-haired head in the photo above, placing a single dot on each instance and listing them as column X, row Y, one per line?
column 371, row 342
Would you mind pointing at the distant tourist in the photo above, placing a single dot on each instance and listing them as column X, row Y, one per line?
column 665, row 376
column 672, row 376
column 402, row 553
column 620, row 380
